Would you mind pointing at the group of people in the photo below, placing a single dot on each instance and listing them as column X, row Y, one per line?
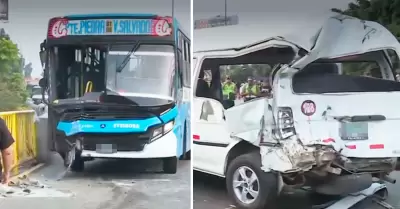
column 247, row 91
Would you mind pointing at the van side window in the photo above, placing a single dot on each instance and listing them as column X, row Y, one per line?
column 367, row 72
column 232, row 81
column 394, row 59
column 370, row 69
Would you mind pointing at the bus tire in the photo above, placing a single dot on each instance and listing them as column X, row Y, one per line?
column 188, row 155
column 170, row 165
column 78, row 164
column 185, row 155
column 267, row 186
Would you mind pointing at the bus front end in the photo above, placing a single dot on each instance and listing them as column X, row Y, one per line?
column 113, row 88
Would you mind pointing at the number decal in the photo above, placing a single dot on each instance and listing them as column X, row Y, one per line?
column 308, row 108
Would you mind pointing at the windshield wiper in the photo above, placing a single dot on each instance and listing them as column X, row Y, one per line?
column 127, row 58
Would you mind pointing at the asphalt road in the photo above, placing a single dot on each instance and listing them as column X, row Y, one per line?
column 209, row 193
column 108, row 184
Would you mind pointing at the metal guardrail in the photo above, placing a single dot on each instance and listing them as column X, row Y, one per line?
column 23, row 128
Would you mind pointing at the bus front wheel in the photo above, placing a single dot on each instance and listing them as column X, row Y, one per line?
column 76, row 163
column 170, row 165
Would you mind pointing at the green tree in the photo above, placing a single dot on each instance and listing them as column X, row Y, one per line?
column 12, row 85
column 385, row 12
column 240, row 73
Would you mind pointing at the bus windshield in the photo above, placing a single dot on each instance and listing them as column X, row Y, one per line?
column 149, row 70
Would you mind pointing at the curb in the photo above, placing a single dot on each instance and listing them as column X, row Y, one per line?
column 27, row 172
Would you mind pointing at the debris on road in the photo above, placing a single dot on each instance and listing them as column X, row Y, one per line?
column 26, row 187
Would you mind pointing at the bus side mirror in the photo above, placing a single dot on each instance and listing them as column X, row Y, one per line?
column 42, row 55
column 43, row 83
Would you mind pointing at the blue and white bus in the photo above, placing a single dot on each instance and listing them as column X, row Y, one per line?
column 118, row 87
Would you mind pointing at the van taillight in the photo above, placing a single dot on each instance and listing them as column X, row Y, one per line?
column 285, row 123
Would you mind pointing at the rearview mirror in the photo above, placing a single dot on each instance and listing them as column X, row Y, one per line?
column 43, row 83
column 42, row 55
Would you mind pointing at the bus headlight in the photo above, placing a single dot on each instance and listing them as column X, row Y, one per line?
column 162, row 130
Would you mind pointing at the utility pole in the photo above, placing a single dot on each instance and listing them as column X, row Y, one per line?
column 226, row 12
column 173, row 9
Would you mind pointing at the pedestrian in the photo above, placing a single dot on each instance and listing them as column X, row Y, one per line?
column 229, row 92
column 249, row 90
column 6, row 141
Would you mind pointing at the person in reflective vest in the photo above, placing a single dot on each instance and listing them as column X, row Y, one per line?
column 229, row 92
column 250, row 90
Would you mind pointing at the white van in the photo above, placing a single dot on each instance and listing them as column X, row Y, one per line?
column 327, row 126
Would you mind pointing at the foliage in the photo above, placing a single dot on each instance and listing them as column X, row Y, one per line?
column 240, row 73
column 12, row 85
column 385, row 12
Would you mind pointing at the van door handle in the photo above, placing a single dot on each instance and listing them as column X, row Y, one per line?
column 223, row 115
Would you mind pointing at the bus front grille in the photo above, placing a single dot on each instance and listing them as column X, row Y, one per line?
column 122, row 142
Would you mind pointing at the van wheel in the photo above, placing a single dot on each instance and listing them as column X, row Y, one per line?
column 170, row 165
column 249, row 186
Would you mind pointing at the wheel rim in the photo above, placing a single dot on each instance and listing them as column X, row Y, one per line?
column 245, row 185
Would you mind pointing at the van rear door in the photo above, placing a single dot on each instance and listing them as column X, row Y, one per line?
column 358, row 123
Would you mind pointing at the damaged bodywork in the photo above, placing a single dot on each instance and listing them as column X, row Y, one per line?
column 301, row 130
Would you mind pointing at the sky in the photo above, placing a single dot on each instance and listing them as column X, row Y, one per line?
column 262, row 18
column 28, row 21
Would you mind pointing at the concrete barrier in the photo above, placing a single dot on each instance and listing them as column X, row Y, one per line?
column 43, row 143
column 22, row 126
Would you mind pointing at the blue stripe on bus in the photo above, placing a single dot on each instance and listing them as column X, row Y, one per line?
column 98, row 126
column 179, row 129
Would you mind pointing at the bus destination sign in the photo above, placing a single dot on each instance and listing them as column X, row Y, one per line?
column 64, row 27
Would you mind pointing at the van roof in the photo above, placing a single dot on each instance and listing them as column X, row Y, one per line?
column 239, row 36
column 339, row 35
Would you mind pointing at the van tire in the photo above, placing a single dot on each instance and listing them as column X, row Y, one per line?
column 268, row 182
column 170, row 165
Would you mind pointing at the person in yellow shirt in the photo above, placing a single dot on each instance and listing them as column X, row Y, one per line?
column 250, row 90
column 229, row 90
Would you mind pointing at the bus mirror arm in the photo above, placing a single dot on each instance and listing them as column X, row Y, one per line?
column 42, row 55
column 43, row 84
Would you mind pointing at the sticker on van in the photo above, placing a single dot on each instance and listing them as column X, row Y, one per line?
column 308, row 108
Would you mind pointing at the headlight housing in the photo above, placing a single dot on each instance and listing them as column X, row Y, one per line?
column 162, row 130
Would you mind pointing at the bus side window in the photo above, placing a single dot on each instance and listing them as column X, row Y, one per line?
column 186, row 65
column 180, row 68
